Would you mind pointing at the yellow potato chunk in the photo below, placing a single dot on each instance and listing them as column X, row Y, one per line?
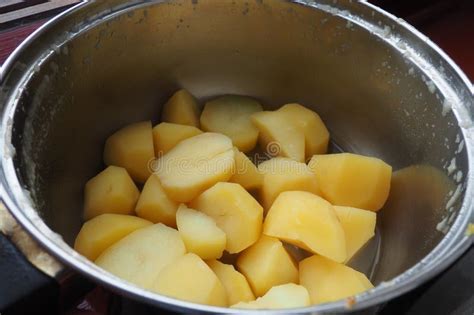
column 329, row 281
column 154, row 205
column 167, row 135
column 307, row 221
column 140, row 256
column 194, row 165
column 288, row 295
column 235, row 211
column 230, row 115
column 246, row 173
column 181, row 108
column 358, row 226
column 280, row 165
column 284, row 174
column 266, row 264
column 352, row 180
column 236, row 286
column 110, row 191
column 315, row 132
column 131, row 148
column 190, row 279
column 279, row 137
column 99, row 233
column 200, row 233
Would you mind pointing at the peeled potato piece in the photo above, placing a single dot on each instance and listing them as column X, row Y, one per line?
column 167, row 135
column 329, row 281
column 194, row 165
column 200, row 233
column 284, row 174
column 279, row 137
column 99, row 233
column 190, row 279
column 155, row 205
column 111, row 191
column 235, row 211
column 245, row 172
column 352, row 180
column 230, row 115
column 283, row 296
column 181, row 108
column 315, row 132
column 307, row 221
column 266, row 264
column 280, row 165
column 140, row 256
column 358, row 226
column 236, row 286
column 131, row 148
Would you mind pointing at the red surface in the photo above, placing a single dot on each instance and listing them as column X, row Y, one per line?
column 95, row 302
column 454, row 33
column 11, row 38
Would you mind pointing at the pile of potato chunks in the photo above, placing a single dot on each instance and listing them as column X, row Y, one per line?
column 203, row 200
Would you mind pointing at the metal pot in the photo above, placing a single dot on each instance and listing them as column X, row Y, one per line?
column 382, row 88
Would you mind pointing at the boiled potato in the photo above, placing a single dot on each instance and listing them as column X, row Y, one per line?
column 288, row 295
column 266, row 264
column 111, row 191
column 284, row 174
column 99, row 233
column 245, row 172
column 236, row 286
column 364, row 280
column 281, row 165
column 190, row 279
column 352, row 180
column 155, row 205
column 307, row 221
column 194, row 165
column 200, row 233
column 132, row 148
column 329, row 281
column 235, row 211
column 230, row 115
column 167, row 135
column 315, row 132
column 140, row 256
column 181, row 108
column 279, row 137
column 358, row 226
column 196, row 207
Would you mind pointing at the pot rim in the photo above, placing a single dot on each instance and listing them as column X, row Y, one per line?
column 454, row 243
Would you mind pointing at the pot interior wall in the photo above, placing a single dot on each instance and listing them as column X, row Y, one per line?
column 122, row 69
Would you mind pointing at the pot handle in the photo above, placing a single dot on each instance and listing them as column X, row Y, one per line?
column 31, row 280
column 23, row 288
column 10, row 229
column 28, row 276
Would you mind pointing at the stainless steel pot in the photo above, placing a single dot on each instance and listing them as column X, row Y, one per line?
column 382, row 88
